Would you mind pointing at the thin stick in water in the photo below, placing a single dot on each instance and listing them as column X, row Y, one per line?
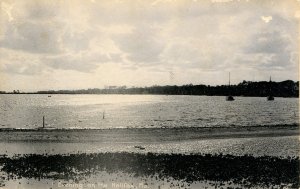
column 43, row 121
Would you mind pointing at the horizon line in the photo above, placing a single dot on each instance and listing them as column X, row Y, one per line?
column 130, row 87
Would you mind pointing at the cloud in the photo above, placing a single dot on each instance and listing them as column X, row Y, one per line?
column 14, row 62
column 268, row 42
column 83, row 62
column 141, row 45
column 274, row 47
column 32, row 27
column 266, row 19
column 23, row 69
column 32, row 37
column 7, row 8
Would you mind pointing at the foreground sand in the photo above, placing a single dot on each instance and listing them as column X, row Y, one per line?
column 257, row 157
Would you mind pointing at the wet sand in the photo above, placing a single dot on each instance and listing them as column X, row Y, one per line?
column 257, row 141
column 144, row 134
column 281, row 146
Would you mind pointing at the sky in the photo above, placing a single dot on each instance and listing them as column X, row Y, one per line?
column 80, row 44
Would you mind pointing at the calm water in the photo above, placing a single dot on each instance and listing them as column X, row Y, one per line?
column 138, row 111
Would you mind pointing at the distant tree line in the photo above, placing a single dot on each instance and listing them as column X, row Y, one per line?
column 286, row 88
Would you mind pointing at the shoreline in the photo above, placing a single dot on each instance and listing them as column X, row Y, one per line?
column 141, row 94
column 146, row 134
column 281, row 141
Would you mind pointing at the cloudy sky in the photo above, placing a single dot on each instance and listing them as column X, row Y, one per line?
column 74, row 44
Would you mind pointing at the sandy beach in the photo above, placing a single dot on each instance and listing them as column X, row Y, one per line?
column 257, row 141
column 99, row 158
column 125, row 135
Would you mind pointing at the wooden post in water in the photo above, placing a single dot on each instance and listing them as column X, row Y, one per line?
column 43, row 121
column 103, row 116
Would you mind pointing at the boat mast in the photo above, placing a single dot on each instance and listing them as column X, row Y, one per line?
column 270, row 86
column 229, row 97
column 270, row 97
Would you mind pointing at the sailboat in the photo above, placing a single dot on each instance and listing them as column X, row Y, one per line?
column 270, row 97
column 229, row 97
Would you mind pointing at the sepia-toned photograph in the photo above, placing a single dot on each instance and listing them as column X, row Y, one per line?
column 149, row 94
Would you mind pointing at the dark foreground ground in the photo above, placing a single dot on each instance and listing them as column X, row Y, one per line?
column 244, row 171
column 250, row 157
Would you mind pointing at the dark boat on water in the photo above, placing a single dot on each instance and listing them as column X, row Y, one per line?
column 270, row 97
column 229, row 97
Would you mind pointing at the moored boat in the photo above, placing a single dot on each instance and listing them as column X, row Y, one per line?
column 229, row 97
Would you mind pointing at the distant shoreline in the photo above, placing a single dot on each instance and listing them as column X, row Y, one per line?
column 138, row 94
column 286, row 88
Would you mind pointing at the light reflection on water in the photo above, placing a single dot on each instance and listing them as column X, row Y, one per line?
column 139, row 111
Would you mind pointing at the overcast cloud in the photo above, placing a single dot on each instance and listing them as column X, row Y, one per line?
column 72, row 44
